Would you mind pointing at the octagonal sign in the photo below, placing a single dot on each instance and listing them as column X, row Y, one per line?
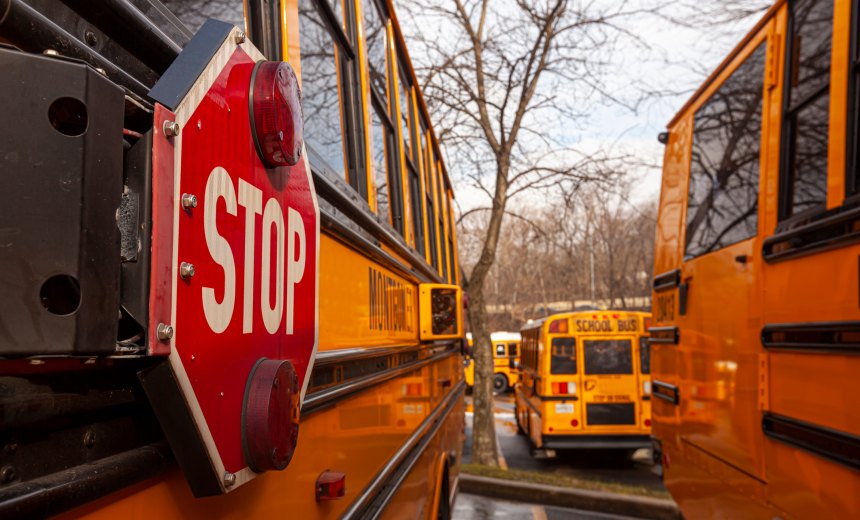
column 234, row 304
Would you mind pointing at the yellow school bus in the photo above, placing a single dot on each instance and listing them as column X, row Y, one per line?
column 585, row 381
column 755, row 300
column 506, row 360
column 110, row 409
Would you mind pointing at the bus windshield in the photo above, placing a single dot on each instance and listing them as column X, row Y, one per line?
column 608, row 356
column 563, row 359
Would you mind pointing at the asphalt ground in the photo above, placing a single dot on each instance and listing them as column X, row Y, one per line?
column 474, row 507
column 603, row 465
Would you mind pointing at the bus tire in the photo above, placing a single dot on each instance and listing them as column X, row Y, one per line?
column 444, row 510
column 500, row 383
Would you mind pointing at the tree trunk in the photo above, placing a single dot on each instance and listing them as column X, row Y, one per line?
column 484, row 449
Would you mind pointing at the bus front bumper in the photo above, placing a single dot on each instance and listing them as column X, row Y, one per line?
column 567, row 442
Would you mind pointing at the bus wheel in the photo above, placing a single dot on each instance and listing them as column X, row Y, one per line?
column 500, row 383
column 444, row 511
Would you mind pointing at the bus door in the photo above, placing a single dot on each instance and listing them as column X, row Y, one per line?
column 718, row 308
column 609, row 384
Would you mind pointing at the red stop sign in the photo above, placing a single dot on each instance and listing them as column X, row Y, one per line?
column 244, row 263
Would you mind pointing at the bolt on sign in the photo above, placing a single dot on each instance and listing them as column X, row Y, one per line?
column 235, row 261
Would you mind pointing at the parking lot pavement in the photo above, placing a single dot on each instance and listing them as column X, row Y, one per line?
column 604, row 465
column 474, row 507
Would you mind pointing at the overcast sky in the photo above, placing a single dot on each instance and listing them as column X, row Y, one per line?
column 669, row 58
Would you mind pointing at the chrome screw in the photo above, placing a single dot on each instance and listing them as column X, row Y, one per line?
column 164, row 332
column 229, row 479
column 189, row 201
column 240, row 37
column 171, row 128
column 186, row 270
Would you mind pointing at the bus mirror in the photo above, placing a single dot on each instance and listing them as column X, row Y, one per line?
column 514, row 364
column 440, row 310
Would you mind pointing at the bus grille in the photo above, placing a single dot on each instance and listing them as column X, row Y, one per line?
column 616, row 413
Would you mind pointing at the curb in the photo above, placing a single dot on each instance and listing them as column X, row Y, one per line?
column 603, row 502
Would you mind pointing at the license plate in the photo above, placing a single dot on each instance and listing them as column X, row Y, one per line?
column 563, row 407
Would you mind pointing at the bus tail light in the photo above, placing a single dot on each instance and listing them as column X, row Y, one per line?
column 574, row 423
column 564, row 388
column 647, row 422
column 331, row 485
column 276, row 113
column 558, row 326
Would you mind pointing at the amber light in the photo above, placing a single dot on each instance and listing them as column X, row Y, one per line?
column 412, row 389
column 558, row 327
column 276, row 113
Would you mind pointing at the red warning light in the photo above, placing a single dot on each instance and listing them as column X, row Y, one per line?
column 270, row 419
column 574, row 423
column 276, row 113
column 331, row 485
column 647, row 422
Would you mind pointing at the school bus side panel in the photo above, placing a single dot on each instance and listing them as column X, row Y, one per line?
column 806, row 384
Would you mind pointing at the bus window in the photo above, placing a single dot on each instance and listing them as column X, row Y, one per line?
column 512, row 350
column 320, row 102
column 644, row 356
column 451, row 227
column 389, row 198
column 405, row 114
column 417, row 213
column 806, row 108
column 193, row 14
column 500, row 350
column 563, row 360
column 722, row 204
column 607, row 356
column 375, row 35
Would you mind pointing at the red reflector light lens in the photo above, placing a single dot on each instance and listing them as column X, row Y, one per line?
column 647, row 422
column 574, row 423
column 558, row 326
column 331, row 485
column 270, row 419
column 276, row 113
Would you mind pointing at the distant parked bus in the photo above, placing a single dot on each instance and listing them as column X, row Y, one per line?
column 756, row 335
column 506, row 359
column 586, row 381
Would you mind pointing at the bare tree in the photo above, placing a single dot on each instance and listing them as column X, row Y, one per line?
column 498, row 76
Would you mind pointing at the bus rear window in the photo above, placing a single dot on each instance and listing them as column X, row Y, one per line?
column 512, row 350
column 644, row 355
column 563, row 356
column 608, row 356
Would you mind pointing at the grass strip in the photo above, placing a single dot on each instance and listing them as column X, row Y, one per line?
column 551, row 479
